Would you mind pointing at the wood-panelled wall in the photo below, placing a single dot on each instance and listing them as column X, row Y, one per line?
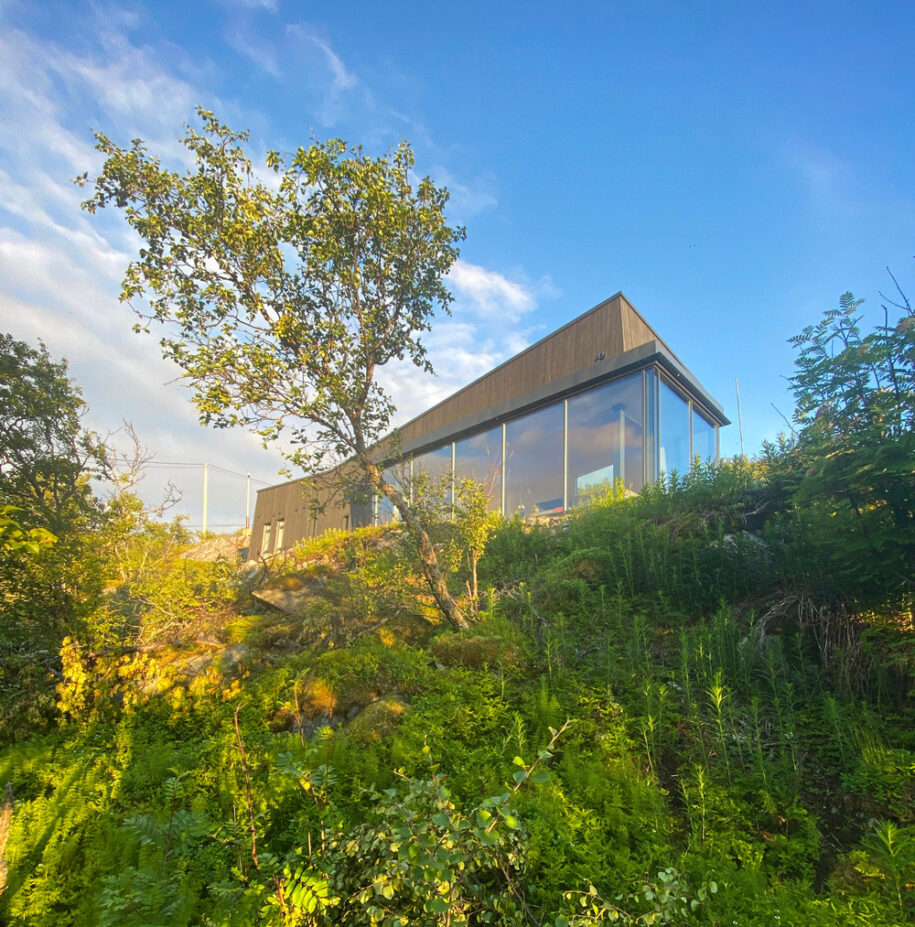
column 610, row 328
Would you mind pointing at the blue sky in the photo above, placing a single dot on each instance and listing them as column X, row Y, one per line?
column 732, row 167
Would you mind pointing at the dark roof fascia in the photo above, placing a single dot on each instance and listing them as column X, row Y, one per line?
column 688, row 382
column 601, row 371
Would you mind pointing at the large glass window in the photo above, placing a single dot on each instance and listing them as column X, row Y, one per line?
column 434, row 465
column 533, row 462
column 705, row 446
column 605, row 439
column 673, row 431
column 398, row 476
column 480, row 458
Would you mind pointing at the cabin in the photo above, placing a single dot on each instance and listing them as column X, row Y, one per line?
column 602, row 399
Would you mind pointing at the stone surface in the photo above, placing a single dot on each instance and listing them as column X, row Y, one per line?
column 224, row 547
column 288, row 594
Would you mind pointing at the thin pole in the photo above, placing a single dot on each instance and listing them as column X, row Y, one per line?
column 206, row 489
column 248, row 503
column 739, row 417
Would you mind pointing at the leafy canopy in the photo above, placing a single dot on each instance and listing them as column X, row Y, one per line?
column 281, row 298
column 283, row 293
column 855, row 395
column 46, row 456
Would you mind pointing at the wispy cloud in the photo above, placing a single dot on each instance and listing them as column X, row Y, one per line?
column 271, row 6
column 341, row 88
column 482, row 332
column 343, row 78
column 825, row 177
column 261, row 52
column 60, row 271
column 489, row 293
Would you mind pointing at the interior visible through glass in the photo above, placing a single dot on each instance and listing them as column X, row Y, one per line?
column 605, row 439
column 533, row 462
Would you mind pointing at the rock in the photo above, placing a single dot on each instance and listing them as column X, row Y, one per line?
column 287, row 594
column 377, row 720
column 225, row 547
column 232, row 657
column 476, row 651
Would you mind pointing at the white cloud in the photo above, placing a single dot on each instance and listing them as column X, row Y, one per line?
column 343, row 79
column 60, row 268
column 481, row 333
column 340, row 89
column 271, row 6
column 465, row 200
column 257, row 50
column 490, row 293
column 826, row 178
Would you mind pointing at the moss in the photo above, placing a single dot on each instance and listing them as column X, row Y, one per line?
column 377, row 720
column 477, row 650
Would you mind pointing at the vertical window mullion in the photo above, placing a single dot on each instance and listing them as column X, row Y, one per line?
column 565, row 455
column 689, row 405
column 504, row 469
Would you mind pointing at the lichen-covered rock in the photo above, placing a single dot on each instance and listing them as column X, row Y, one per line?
column 289, row 594
column 377, row 720
column 476, row 651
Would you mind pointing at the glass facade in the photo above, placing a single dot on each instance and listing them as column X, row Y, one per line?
column 534, row 452
column 634, row 429
column 435, row 464
column 673, row 433
column 398, row 476
column 705, row 438
column 480, row 458
column 605, row 439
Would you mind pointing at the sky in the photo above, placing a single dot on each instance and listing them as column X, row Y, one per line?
column 732, row 167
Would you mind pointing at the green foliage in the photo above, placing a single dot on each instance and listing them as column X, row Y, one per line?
column 15, row 539
column 855, row 396
column 282, row 303
column 740, row 747
column 46, row 457
column 887, row 859
column 46, row 589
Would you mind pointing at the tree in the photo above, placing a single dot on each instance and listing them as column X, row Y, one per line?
column 47, row 462
column 47, row 458
column 281, row 302
column 14, row 538
column 855, row 396
column 49, row 566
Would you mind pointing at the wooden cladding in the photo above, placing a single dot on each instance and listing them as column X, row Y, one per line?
column 608, row 329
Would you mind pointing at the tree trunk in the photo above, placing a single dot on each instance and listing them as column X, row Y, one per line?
column 427, row 556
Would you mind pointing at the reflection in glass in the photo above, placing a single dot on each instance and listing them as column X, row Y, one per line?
column 533, row 462
column 704, row 443
column 673, row 444
column 398, row 476
column 605, row 439
column 480, row 458
column 434, row 465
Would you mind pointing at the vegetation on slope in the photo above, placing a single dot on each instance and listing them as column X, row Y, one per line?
column 694, row 706
column 653, row 721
